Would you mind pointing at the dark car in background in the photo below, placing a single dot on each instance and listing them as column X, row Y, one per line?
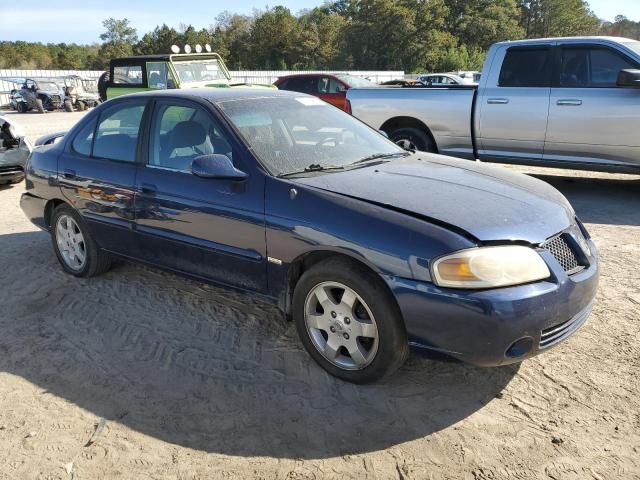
column 366, row 247
column 329, row 87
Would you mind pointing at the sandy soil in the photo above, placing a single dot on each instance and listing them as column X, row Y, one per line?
column 141, row 374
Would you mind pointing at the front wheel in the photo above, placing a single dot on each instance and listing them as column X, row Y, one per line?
column 413, row 139
column 77, row 252
column 348, row 322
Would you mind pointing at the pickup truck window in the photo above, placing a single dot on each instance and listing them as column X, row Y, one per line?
column 526, row 67
column 591, row 67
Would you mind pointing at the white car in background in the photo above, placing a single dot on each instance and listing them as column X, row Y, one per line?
column 443, row 80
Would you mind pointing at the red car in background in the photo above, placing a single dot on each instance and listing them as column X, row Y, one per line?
column 332, row 88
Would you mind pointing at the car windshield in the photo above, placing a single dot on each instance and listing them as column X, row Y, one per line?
column 48, row 86
column 356, row 82
column 194, row 71
column 635, row 46
column 291, row 134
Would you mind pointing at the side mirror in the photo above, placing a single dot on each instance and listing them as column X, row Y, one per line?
column 216, row 166
column 629, row 78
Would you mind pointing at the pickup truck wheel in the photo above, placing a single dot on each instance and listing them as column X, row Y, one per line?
column 413, row 139
column 76, row 250
column 22, row 107
column 348, row 322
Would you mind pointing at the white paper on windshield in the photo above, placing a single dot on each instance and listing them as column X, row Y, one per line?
column 310, row 101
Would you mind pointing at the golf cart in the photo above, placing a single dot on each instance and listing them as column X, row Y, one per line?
column 40, row 95
column 76, row 95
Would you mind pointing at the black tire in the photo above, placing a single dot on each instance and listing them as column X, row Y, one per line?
column 82, row 106
column 393, row 346
column 39, row 105
column 68, row 106
column 413, row 139
column 22, row 107
column 103, row 84
column 97, row 260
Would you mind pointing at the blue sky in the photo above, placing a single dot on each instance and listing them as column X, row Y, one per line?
column 80, row 22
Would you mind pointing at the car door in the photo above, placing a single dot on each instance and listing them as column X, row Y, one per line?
column 97, row 172
column 591, row 119
column 514, row 104
column 211, row 228
column 332, row 91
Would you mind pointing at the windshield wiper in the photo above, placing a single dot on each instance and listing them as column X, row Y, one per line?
column 314, row 167
column 380, row 156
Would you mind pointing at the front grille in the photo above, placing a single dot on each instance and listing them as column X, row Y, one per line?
column 564, row 253
column 11, row 169
column 557, row 333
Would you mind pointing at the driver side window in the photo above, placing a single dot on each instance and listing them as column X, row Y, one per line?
column 180, row 133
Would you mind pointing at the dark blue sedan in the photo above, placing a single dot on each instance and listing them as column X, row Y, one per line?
column 368, row 248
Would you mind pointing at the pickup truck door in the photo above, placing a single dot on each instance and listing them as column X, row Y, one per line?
column 590, row 118
column 514, row 104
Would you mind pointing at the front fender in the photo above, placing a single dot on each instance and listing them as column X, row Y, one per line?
column 390, row 243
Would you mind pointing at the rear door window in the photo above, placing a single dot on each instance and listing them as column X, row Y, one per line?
column 118, row 130
column 83, row 141
column 526, row 67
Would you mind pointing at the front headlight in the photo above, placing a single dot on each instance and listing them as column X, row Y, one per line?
column 489, row 267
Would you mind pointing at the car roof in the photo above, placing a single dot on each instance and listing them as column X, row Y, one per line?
column 215, row 95
column 316, row 74
column 567, row 39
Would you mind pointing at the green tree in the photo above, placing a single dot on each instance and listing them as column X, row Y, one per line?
column 118, row 39
column 275, row 39
column 621, row 27
column 557, row 18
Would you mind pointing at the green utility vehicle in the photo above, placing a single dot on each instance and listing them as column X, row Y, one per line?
column 156, row 72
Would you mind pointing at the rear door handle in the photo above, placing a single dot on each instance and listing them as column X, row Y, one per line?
column 497, row 101
column 569, row 102
column 148, row 189
column 70, row 174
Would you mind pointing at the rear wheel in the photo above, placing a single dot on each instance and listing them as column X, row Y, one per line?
column 76, row 250
column 348, row 322
column 413, row 139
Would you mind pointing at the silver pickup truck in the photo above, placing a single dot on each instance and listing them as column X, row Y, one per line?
column 559, row 102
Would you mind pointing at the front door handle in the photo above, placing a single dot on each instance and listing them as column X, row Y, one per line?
column 69, row 174
column 148, row 189
column 569, row 102
column 497, row 101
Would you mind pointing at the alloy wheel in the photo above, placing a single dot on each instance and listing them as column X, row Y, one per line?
column 341, row 326
column 71, row 243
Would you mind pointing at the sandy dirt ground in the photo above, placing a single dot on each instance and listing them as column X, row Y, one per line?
column 140, row 374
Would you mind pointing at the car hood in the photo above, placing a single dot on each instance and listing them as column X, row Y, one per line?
column 487, row 202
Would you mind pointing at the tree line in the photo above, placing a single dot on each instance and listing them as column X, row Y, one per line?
column 409, row 35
